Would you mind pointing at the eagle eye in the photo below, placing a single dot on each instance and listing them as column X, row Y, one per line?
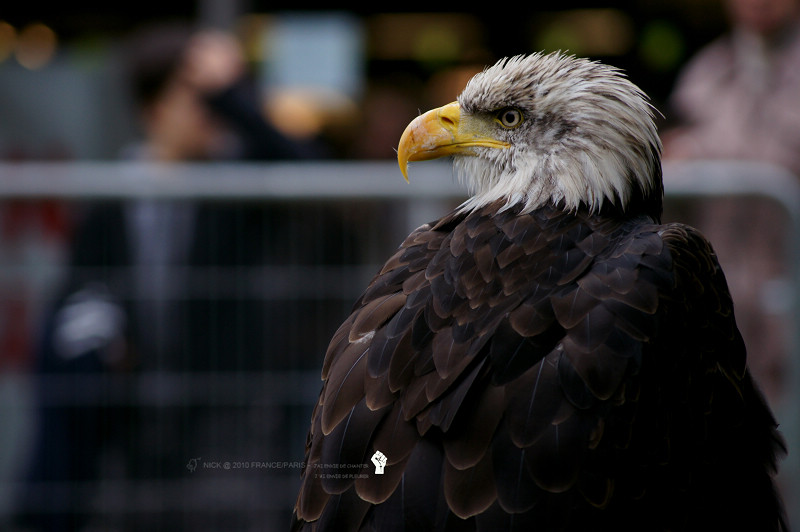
column 509, row 117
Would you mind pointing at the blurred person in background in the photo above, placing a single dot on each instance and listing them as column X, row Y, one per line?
column 739, row 99
column 146, row 294
column 196, row 101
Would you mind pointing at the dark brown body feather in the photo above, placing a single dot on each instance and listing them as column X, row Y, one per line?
column 546, row 371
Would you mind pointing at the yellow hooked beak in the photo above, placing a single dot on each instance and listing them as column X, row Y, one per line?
column 441, row 132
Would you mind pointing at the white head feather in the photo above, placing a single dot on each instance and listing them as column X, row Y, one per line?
column 588, row 135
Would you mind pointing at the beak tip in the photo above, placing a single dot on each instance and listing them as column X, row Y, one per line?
column 404, row 170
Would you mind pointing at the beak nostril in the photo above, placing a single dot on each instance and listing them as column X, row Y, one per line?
column 449, row 116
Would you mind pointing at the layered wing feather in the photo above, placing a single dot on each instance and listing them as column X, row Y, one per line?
column 554, row 368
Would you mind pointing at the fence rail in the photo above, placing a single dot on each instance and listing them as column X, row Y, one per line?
column 240, row 181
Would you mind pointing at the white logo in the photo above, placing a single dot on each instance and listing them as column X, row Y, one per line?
column 192, row 465
column 379, row 459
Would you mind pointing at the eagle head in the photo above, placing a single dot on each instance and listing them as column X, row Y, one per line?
column 546, row 129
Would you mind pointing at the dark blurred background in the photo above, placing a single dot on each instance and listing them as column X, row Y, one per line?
column 66, row 102
column 160, row 351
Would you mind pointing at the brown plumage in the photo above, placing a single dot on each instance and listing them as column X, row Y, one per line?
column 526, row 364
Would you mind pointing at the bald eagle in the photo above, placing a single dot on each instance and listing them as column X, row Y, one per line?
column 548, row 356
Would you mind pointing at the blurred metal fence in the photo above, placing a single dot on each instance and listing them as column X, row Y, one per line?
column 212, row 440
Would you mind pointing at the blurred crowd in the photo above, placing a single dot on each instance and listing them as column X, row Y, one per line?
column 122, row 306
